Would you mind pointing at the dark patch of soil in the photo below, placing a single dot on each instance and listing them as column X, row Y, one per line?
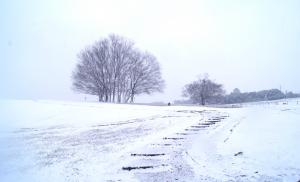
column 192, row 129
column 148, row 155
column 172, row 138
column 239, row 153
column 140, row 167
column 198, row 126
column 137, row 167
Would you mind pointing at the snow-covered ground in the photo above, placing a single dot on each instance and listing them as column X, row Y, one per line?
column 70, row 141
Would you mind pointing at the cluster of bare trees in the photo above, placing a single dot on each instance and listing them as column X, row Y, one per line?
column 116, row 71
column 203, row 90
column 206, row 91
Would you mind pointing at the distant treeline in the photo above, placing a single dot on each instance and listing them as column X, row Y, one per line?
column 206, row 91
column 236, row 96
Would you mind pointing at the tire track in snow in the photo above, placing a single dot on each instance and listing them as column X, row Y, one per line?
column 173, row 159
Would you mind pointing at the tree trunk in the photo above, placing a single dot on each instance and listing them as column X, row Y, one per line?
column 202, row 101
column 132, row 98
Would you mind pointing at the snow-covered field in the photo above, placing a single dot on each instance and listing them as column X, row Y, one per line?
column 70, row 141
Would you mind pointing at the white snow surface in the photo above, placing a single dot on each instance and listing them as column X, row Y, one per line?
column 72, row 141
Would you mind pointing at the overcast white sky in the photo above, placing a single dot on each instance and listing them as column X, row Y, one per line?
column 251, row 45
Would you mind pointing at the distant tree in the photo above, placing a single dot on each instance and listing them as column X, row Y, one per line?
column 236, row 91
column 291, row 95
column 115, row 71
column 236, row 96
column 274, row 94
column 202, row 90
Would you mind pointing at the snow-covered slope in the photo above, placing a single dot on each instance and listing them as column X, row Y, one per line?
column 69, row 141
column 260, row 143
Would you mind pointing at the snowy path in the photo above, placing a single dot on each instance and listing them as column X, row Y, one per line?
column 163, row 159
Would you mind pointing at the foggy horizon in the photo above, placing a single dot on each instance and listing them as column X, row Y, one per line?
column 247, row 45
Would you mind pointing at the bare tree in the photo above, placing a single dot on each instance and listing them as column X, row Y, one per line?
column 145, row 75
column 115, row 71
column 87, row 77
column 202, row 90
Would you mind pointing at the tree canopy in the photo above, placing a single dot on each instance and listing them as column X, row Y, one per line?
column 203, row 90
column 116, row 71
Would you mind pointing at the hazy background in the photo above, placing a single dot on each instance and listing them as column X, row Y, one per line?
column 252, row 45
